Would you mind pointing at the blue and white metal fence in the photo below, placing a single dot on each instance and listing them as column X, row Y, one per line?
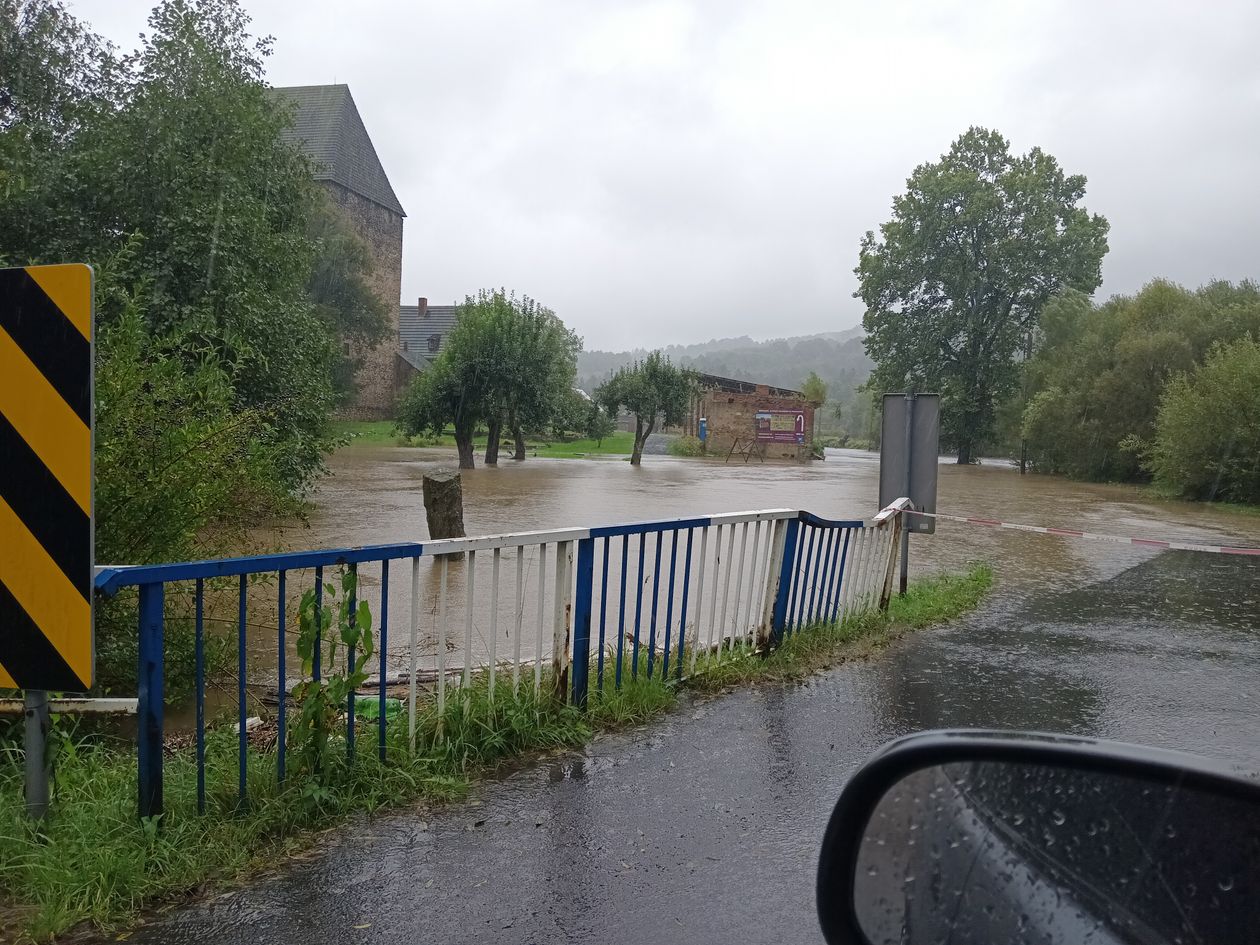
column 611, row 601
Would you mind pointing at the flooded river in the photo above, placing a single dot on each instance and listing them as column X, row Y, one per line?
column 704, row 826
column 373, row 495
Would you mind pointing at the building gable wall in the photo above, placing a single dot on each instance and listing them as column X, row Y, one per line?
column 381, row 231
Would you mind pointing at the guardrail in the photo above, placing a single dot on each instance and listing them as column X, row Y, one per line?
column 726, row 579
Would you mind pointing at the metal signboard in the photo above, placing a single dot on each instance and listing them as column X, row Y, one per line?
column 908, row 457
column 780, row 426
column 46, row 478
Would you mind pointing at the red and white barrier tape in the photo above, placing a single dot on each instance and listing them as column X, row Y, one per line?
column 1073, row 533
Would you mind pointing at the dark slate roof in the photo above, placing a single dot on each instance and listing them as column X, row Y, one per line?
column 420, row 339
column 326, row 124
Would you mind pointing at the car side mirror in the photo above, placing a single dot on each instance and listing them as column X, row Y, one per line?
column 988, row 837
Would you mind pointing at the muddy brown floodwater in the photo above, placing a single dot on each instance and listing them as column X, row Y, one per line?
column 704, row 825
column 373, row 496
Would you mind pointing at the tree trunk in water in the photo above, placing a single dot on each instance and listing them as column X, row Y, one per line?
column 444, row 503
column 492, row 442
column 640, row 438
column 964, row 454
column 463, row 442
column 519, row 437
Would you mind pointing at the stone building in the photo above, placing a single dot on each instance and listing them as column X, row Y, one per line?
column 328, row 127
column 751, row 419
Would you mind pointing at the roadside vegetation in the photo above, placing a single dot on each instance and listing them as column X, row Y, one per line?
column 1160, row 386
column 93, row 862
column 226, row 289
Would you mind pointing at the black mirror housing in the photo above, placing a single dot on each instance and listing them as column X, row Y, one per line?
column 966, row 836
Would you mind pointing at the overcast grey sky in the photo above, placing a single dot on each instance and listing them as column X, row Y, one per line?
column 668, row 172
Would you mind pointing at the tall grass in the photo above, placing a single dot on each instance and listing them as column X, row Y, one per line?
column 92, row 861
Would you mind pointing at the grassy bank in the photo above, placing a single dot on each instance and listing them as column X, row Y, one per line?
column 92, row 861
column 384, row 433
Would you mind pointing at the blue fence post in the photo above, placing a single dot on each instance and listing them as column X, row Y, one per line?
column 784, row 589
column 151, row 692
column 199, row 668
column 582, row 620
column 382, row 644
column 242, row 732
column 350, row 699
column 281, row 686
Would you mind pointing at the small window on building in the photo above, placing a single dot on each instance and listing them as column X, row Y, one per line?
column 435, row 342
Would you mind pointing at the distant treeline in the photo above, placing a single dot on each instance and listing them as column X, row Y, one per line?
column 838, row 358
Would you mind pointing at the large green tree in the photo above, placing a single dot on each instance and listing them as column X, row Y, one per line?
column 166, row 170
column 509, row 363
column 534, row 369
column 956, row 280
column 654, row 390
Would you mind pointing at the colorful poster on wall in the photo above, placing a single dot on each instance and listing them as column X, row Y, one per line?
column 780, row 426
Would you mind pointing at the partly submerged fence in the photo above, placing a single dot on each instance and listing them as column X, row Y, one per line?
column 540, row 609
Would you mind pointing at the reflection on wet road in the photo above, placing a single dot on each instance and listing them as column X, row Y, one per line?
column 704, row 827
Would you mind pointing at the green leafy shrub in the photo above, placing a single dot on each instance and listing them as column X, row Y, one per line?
column 319, row 703
column 1095, row 385
column 686, row 446
column 1207, row 435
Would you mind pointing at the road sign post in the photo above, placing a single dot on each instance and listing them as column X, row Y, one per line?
column 35, row 746
column 909, row 447
column 45, row 495
column 905, row 532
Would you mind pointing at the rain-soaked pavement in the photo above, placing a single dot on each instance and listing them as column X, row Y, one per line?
column 703, row 827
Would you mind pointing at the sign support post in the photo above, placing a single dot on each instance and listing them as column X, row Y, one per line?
column 905, row 532
column 909, row 439
column 36, row 750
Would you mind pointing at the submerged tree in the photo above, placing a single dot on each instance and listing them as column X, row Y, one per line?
column 508, row 362
column 1207, row 435
column 1100, row 372
column 653, row 389
column 956, row 280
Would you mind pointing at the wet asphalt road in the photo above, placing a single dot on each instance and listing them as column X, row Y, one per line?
column 704, row 827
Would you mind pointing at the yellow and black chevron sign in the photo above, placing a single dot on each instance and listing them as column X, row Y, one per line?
column 46, row 478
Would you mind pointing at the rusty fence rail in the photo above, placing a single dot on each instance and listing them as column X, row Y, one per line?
column 546, row 610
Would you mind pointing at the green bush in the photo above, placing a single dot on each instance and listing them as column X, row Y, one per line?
column 1095, row 385
column 686, row 446
column 1207, row 435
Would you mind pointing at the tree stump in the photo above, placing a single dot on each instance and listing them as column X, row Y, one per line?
column 444, row 503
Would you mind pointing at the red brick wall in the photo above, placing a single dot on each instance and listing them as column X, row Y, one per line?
column 730, row 417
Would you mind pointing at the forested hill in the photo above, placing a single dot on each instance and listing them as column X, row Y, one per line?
column 837, row 357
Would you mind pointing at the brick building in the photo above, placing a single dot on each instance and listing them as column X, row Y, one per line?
column 328, row 127
column 775, row 423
